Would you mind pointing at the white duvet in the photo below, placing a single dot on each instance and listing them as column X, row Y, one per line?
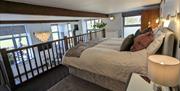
column 106, row 59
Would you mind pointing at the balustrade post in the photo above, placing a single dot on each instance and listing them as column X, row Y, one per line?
column 74, row 37
column 66, row 43
column 90, row 34
column 95, row 33
column 104, row 33
column 9, row 73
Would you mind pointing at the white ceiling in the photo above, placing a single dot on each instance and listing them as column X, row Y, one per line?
column 100, row 6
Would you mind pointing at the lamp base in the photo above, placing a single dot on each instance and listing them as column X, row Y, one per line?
column 158, row 87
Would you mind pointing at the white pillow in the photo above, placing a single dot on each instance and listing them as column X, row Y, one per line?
column 156, row 44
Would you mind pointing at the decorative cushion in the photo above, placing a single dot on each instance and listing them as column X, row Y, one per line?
column 147, row 30
column 127, row 43
column 156, row 44
column 142, row 41
column 139, row 32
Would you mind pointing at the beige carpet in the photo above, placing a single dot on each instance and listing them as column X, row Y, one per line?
column 72, row 83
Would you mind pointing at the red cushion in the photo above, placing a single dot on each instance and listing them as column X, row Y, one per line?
column 142, row 41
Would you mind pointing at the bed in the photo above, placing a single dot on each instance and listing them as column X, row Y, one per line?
column 104, row 65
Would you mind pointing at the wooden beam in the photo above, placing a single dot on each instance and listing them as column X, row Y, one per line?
column 35, row 21
column 23, row 8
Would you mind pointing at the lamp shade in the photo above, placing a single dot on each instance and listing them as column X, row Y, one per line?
column 164, row 70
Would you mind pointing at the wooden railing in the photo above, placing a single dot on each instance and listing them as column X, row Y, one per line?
column 25, row 63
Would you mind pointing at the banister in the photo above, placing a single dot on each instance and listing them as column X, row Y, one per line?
column 8, row 69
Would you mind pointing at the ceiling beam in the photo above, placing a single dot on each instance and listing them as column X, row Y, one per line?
column 23, row 8
column 35, row 21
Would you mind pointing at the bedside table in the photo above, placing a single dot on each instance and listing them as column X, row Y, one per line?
column 138, row 82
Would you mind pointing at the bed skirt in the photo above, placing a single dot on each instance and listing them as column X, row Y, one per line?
column 100, row 80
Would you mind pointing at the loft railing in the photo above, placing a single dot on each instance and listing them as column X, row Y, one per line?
column 25, row 63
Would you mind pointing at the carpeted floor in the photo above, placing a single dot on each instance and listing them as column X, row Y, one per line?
column 72, row 83
column 58, row 79
column 45, row 80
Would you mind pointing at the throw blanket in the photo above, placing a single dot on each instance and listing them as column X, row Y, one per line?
column 78, row 49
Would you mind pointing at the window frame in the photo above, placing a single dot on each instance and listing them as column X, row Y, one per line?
column 92, row 20
column 13, row 38
column 70, row 30
column 55, row 32
column 133, row 25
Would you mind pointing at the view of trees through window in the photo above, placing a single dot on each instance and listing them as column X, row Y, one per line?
column 13, row 41
column 91, row 23
column 58, row 33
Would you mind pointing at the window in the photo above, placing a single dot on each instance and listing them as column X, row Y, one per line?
column 70, row 31
column 55, row 32
column 91, row 23
column 13, row 37
column 131, row 24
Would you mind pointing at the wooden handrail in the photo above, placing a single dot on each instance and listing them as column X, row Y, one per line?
column 8, row 68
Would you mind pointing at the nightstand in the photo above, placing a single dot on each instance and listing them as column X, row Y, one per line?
column 138, row 82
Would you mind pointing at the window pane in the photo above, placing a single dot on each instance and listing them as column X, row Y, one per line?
column 54, row 28
column 92, row 24
column 55, row 36
column 130, row 30
column 21, row 42
column 133, row 20
column 88, row 24
column 69, row 27
column 70, row 33
column 6, row 36
column 6, row 44
column 96, row 21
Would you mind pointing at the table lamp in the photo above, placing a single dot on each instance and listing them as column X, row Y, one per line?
column 163, row 71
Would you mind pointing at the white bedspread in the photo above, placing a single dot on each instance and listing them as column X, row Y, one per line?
column 110, row 62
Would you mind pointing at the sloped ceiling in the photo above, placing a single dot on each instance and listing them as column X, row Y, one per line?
column 99, row 6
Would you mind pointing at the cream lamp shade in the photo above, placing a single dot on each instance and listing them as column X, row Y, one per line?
column 164, row 70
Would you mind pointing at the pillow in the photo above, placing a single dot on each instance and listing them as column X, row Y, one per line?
column 127, row 43
column 139, row 32
column 147, row 30
column 142, row 41
column 156, row 44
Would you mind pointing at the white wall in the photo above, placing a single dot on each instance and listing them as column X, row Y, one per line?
column 114, row 27
column 172, row 7
column 40, row 27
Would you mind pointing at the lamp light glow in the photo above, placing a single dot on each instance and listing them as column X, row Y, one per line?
column 166, row 23
column 111, row 18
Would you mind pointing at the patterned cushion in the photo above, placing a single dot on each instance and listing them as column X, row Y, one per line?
column 139, row 32
column 142, row 41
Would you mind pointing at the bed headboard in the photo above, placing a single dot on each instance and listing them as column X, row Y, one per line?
column 168, row 43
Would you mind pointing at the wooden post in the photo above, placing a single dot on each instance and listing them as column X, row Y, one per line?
column 8, row 69
column 90, row 35
column 75, row 38
column 65, row 43
column 95, row 34
column 104, row 33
